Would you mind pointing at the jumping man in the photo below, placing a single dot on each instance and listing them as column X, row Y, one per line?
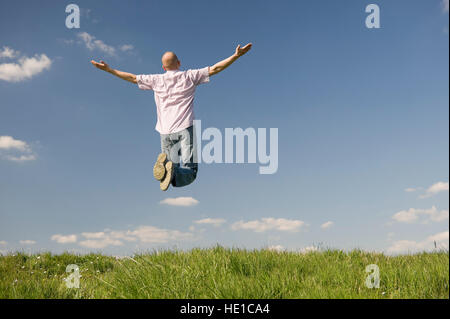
column 174, row 97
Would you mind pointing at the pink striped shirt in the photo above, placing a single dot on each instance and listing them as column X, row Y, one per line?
column 174, row 96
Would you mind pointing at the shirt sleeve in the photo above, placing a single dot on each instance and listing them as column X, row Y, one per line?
column 199, row 76
column 145, row 81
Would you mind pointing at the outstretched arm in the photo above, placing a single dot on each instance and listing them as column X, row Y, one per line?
column 123, row 75
column 222, row 65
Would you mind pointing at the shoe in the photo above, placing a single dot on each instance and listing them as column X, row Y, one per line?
column 165, row 183
column 159, row 170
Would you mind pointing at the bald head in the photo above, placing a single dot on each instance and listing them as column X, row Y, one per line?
column 170, row 61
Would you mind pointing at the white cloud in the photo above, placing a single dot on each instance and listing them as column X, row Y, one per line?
column 94, row 44
column 25, row 69
column 102, row 243
column 9, row 53
column 126, row 47
column 327, row 225
column 98, row 235
column 15, row 150
column 308, row 249
column 440, row 216
column 3, row 243
column 151, row 234
column 180, row 201
column 99, row 240
column 265, row 224
column 403, row 246
column 435, row 189
column 123, row 235
column 413, row 215
column 439, row 237
column 216, row 222
column 430, row 191
column 276, row 248
column 21, row 158
column 64, row 239
column 27, row 242
column 411, row 246
column 8, row 143
column 142, row 234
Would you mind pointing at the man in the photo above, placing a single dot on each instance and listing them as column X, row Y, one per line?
column 174, row 97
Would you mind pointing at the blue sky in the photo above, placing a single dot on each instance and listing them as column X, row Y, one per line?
column 362, row 118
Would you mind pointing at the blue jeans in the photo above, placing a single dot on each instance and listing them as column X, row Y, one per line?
column 181, row 146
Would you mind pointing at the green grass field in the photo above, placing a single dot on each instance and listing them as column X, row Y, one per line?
column 226, row 273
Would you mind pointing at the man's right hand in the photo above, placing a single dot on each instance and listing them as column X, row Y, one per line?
column 102, row 65
column 130, row 77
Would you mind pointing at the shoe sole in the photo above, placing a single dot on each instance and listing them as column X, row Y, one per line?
column 165, row 183
column 159, row 170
